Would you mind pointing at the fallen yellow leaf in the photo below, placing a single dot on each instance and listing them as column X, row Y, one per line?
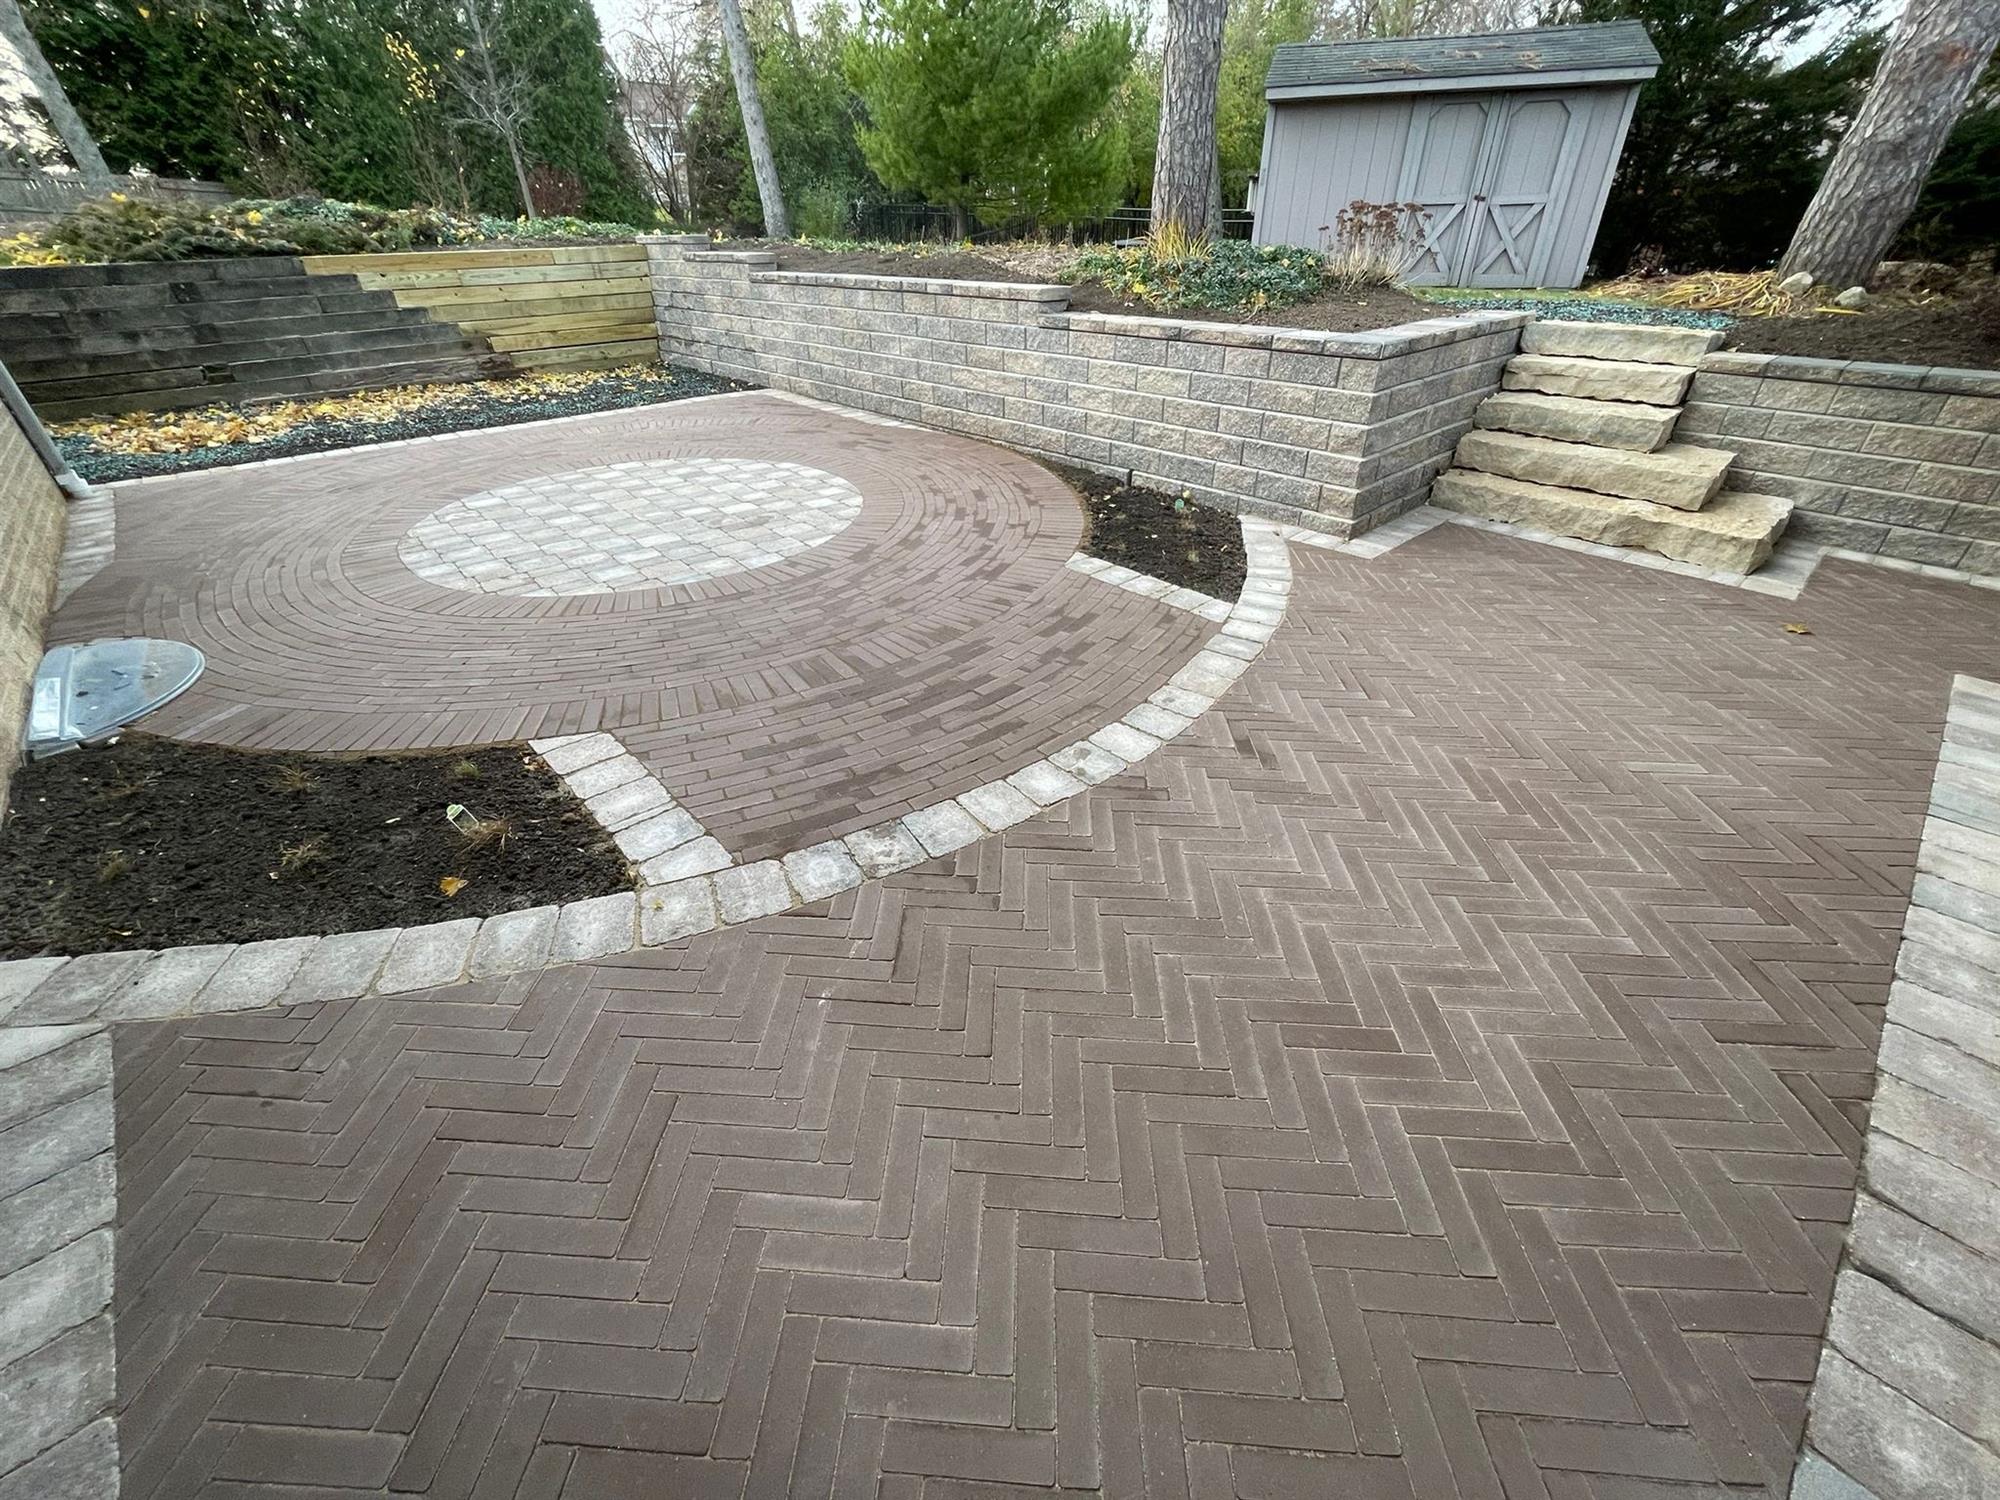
column 451, row 885
column 1797, row 629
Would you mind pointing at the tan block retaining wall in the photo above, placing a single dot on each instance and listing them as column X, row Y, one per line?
column 559, row 306
column 31, row 541
column 1897, row 459
column 1339, row 432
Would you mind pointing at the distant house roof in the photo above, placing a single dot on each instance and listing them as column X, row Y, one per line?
column 1543, row 56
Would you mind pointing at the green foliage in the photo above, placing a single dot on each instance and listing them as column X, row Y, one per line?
column 1136, row 107
column 811, row 115
column 1000, row 107
column 185, row 87
column 1226, row 274
column 1256, row 28
column 1727, row 143
column 122, row 228
column 1959, row 214
column 574, row 128
column 342, row 97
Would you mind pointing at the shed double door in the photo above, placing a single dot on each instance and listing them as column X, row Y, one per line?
column 1492, row 173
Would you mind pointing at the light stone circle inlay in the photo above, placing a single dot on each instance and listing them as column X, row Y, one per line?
column 649, row 523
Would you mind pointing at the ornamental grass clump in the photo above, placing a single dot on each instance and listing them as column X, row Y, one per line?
column 1190, row 270
column 1374, row 244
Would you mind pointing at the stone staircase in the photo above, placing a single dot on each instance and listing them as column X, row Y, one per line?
column 1579, row 441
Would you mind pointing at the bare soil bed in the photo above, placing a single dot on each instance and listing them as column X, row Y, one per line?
column 1149, row 531
column 1957, row 335
column 151, row 843
column 1335, row 312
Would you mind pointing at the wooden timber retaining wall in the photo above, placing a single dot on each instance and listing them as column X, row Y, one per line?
column 562, row 306
column 147, row 336
column 142, row 336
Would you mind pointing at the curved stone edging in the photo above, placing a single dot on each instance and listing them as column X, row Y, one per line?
column 209, row 978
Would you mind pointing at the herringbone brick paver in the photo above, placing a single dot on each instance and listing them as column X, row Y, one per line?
column 1436, row 1075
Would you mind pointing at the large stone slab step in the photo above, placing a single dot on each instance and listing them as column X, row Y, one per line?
column 1733, row 534
column 1575, row 419
column 1597, row 379
column 1680, row 474
column 1645, row 343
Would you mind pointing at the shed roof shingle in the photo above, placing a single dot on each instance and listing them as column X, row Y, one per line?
column 1541, row 49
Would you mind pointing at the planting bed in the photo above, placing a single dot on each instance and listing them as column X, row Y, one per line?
column 152, row 843
column 1195, row 546
column 1334, row 311
column 1955, row 334
column 106, row 451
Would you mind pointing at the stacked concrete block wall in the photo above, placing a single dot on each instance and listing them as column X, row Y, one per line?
column 1906, row 1404
column 137, row 336
column 547, row 307
column 31, row 542
column 1901, row 460
column 1339, row 432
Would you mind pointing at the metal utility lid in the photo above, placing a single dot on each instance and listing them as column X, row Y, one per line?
column 87, row 693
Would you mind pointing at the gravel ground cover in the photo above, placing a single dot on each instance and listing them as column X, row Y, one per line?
column 107, row 450
column 1574, row 308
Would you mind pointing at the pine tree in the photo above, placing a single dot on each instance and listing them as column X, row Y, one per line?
column 1000, row 107
column 1917, row 96
column 1185, row 192
column 1257, row 28
column 1726, row 143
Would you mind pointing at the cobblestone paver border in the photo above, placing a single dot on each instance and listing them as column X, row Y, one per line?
column 1903, row 1405
column 1173, row 595
column 689, row 882
column 58, row 1202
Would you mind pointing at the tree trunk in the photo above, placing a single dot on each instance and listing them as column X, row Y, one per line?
column 1934, row 58
column 69, row 126
column 521, row 176
column 743, row 67
column 1184, row 170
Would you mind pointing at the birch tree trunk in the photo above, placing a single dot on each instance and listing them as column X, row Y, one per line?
column 1184, row 169
column 743, row 68
column 1934, row 58
column 69, row 126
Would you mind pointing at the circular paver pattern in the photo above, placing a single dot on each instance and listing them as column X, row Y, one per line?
column 936, row 642
column 635, row 525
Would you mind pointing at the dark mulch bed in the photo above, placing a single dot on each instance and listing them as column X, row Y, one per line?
column 945, row 265
column 151, row 843
column 1195, row 546
column 615, row 391
column 1332, row 312
column 1957, row 335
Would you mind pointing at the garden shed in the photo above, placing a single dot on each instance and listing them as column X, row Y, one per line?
column 1506, row 141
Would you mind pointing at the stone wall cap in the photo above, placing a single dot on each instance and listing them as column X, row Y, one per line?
column 1734, row 362
column 1963, row 382
column 1854, row 372
column 1376, row 343
column 734, row 257
column 1797, row 367
column 1010, row 291
column 1891, row 377
column 689, row 240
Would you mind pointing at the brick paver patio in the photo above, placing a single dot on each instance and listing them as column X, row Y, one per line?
column 932, row 644
column 1438, row 1073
